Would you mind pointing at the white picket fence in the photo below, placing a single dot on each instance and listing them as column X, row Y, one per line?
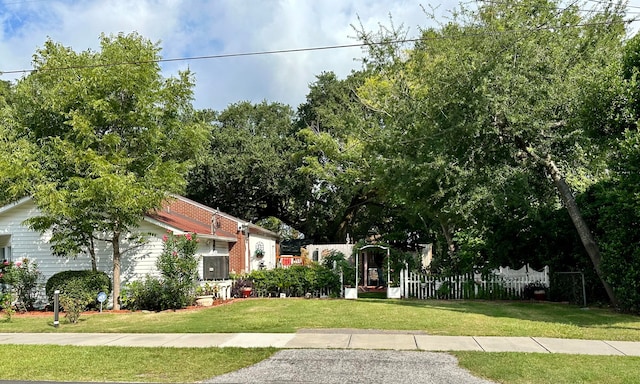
column 503, row 283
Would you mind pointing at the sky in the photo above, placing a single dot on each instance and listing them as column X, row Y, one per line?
column 191, row 28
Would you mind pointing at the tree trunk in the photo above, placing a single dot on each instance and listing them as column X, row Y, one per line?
column 92, row 253
column 115, row 241
column 451, row 246
column 581, row 226
column 588, row 242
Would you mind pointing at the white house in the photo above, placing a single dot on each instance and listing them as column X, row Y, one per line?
column 227, row 244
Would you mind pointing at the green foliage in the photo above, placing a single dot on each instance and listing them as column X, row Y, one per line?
column 613, row 209
column 5, row 267
column 176, row 288
column 109, row 140
column 178, row 266
column 398, row 261
column 345, row 198
column 74, row 299
column 494, row 110
column 148, row 294
column 23, row 277
column 250, row 155
column 296, row 281
column 6, row 301
column 339, row 260
column 309, row 170
column 6, row 295
column 83, row 283
column 207, row 290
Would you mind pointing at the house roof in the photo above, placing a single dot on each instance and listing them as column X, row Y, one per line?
column 177, row 221
column 15, row 204
column 183, row 214
column 172, row 220
column 252, row 227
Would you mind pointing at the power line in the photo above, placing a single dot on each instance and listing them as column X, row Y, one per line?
column 206, row 57
column 307, row 49
column 609, row 3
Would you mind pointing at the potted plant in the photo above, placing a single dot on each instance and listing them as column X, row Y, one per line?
column 393, row 290
column 536, row 290
column 206, row 294
column 242, row 287
column 259, row 253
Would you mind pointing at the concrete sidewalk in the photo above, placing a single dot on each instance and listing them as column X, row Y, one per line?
column 333, row 339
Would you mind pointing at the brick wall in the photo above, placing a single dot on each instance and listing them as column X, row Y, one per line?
column 190, row 210
column 236, row 250
column 237, row 253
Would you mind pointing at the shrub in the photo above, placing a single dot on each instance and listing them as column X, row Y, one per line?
column 148, row 294
column 176, row 288
column 91, row 282
column 342, row 264
column 296, row 281
column 4, row 272
column 74, row 298
column 178, row 266
column 24, row 277
column 6, row 298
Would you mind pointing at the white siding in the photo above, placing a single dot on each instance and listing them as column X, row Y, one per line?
column 136, row 260
column 269, row 258
column 30, row 244
column 323, row 249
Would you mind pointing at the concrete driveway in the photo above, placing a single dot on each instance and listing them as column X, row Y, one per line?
column 353, row 366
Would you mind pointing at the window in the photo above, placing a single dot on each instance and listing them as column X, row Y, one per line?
column 5, row 247
column 215, row 267
column 5, row 253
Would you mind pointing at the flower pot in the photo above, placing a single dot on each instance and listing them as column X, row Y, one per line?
column 393, row 292
column 204, row 301
column 540, row 294
column 246, row 292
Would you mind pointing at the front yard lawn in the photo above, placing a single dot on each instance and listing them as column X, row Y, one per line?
column 472, row 318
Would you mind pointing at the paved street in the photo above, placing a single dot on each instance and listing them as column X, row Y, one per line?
column 353, row 366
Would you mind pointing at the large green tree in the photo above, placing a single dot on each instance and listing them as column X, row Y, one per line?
column 249, row 170
column 499, row 93
column 613, row 204
column 345, row 198
column 113, row 138
column 18, row 156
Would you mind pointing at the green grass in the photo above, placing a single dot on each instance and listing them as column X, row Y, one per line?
column 539, row 368
column 474, row 318
column 70, row 363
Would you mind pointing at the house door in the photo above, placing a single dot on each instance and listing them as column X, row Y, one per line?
column 215, row 267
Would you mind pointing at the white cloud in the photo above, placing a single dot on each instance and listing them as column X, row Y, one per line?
column 188, row 28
